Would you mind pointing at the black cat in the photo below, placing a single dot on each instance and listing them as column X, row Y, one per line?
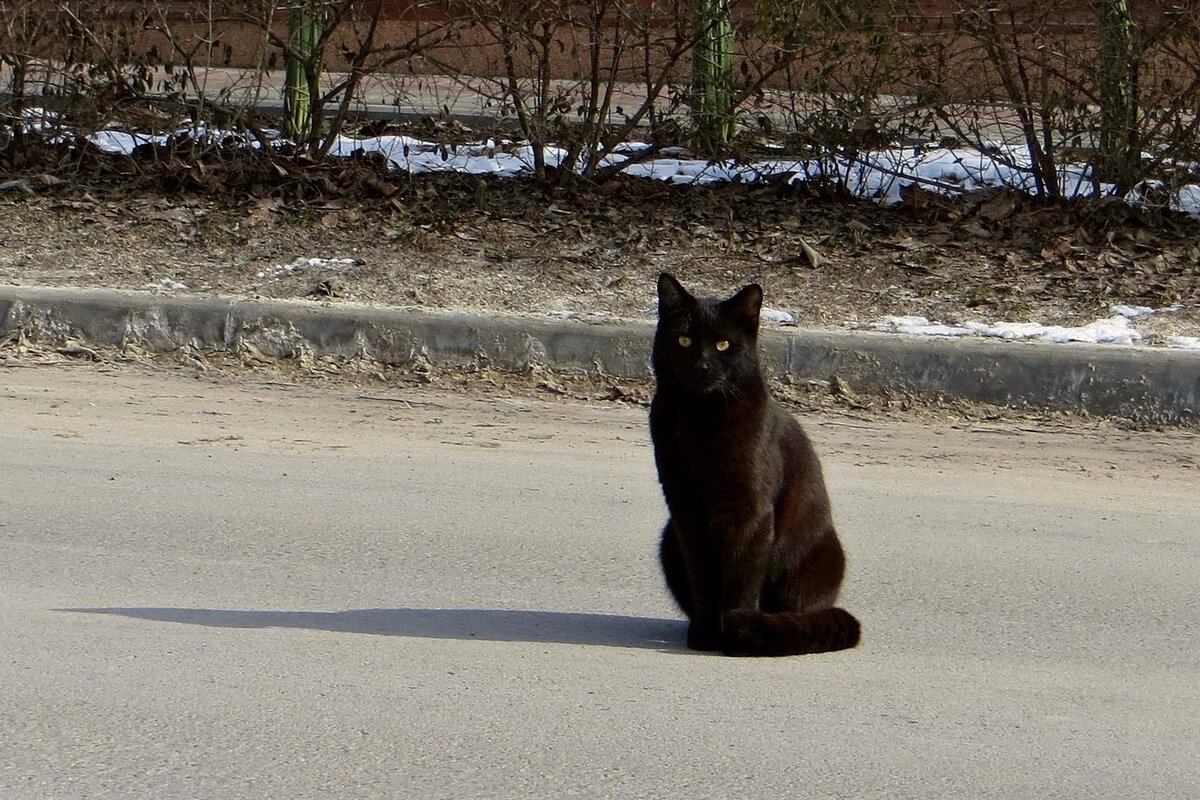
column 750, row 552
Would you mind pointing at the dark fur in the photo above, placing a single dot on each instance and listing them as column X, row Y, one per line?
column 750, row 552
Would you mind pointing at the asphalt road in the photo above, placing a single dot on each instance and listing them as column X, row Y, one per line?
column 236, row 590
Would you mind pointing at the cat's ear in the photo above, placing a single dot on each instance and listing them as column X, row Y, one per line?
column 745, row 307
column 671, row 294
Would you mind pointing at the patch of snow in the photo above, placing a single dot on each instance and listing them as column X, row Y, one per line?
column 299, row 264
column 39, row 119
column 202, row 133
column 116, row 141
column 1187, row 342
column 122, row 143
column 880, row 175
column 919, row 326
column 1133, row 312
column 1187, row 200
column 1147, row 193
column 166, row 285
column 775, row 315
column 1115, row 330
column 636, row 147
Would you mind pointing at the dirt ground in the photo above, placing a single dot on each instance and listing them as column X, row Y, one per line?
column 506, row 411
column 838, row 405
column 472, row 243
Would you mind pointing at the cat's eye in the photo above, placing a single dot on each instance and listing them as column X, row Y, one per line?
column 722, row 345
column 685, row 341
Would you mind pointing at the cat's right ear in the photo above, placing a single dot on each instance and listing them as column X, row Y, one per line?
column 746, row 306
column 671, row 293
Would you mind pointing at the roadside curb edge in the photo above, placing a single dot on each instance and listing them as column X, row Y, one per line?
column 1150, row 385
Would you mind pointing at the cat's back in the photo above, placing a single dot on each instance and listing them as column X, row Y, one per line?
column 786, row 431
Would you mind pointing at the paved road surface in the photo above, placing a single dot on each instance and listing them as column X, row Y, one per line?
column 259, row 591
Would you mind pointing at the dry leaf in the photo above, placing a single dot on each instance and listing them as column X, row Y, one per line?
column 813, row 258
column 1058, row 249
column 999, row 207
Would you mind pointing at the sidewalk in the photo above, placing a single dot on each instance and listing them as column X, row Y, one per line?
column 482, row 102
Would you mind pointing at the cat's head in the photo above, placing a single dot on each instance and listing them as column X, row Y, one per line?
column 707, row 345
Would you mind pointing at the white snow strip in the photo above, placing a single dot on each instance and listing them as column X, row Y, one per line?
column 504, row 159
column 919, row 326
column 1187, row 200
column 1188, row 342
column 1115, row 330
column 307, row 263
column 880, row 175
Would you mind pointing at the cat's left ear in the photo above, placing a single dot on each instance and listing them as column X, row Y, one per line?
column 746, row 306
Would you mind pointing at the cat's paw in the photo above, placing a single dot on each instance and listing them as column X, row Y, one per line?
column 703, row 637
column 743, row 634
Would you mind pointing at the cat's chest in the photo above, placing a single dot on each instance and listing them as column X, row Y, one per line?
column 704, row 449
column 704, row 454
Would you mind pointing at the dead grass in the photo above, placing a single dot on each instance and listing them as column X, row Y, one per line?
column 511, row 245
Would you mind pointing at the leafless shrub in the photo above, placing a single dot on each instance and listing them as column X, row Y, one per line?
column 348, row 50
column 561, row 72
column 1034, row 74
column 831, row 80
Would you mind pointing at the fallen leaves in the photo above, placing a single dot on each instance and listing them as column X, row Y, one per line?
column 637, row 395
column 1057, row 249
column 511, row 243
column 999, row 206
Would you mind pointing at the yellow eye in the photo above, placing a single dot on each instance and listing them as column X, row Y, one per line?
column 722, row 345
column 685, row 341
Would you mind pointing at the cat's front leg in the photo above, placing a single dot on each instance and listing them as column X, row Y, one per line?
column 705, row 635
column 744, row 569
column 728, row 580
column 703, row 574
column 704, row 632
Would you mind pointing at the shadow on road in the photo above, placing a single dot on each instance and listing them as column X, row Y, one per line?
column 498, row 625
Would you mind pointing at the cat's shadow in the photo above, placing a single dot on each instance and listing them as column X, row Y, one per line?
column 496, row 625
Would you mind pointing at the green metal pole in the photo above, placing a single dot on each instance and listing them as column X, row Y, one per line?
column 304, row 30
column 1118, row 112
column 712, row 77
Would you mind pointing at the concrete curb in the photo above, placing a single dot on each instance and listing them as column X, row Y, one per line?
column 1144, row 384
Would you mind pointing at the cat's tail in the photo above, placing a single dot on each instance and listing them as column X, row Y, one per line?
column 789, row 633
